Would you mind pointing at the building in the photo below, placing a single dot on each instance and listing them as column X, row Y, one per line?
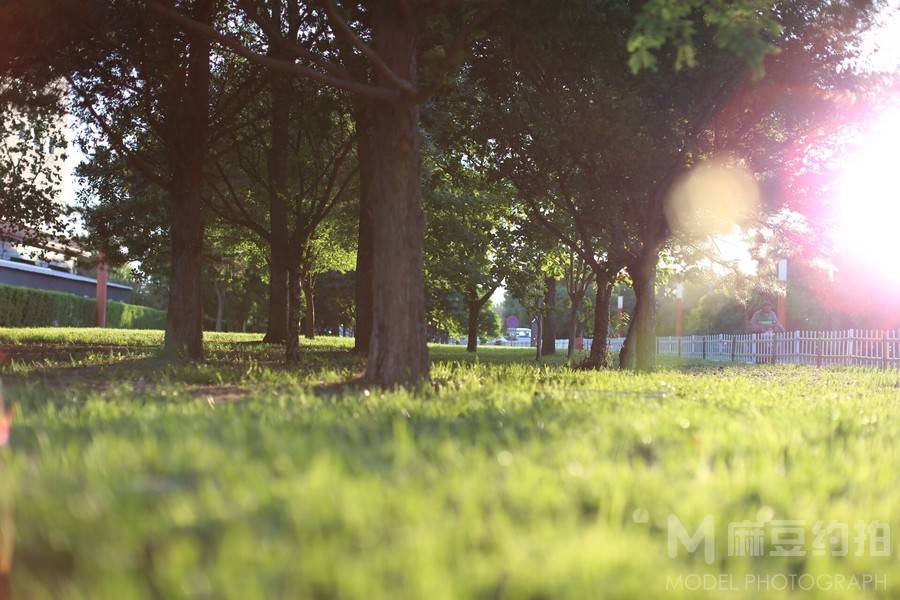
column 50, row 265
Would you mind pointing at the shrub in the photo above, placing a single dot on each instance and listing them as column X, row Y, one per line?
column 131, row 316
column 25, row 307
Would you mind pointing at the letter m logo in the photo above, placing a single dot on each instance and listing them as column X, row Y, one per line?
column 705, row 535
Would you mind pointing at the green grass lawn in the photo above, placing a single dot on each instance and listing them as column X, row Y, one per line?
column 130, row 478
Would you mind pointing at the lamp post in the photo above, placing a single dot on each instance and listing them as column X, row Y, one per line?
column 781, row 303
column 620, row 309
column 679, row 301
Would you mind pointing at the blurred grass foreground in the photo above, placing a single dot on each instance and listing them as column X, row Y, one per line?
column 126, row 477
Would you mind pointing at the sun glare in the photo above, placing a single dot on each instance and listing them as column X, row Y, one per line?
column 867, row 200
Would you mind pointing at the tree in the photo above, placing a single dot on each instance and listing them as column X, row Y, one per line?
column 731, row 47
column 578, row 278
column 548, row 323
column 233, row 263
column 384, row 36
column 547, row 115
column 595, row 150
column 143, row 90
column 283, row 188
column 31, row 160
column 33, row 108
column 325, row 252
column 471, row 237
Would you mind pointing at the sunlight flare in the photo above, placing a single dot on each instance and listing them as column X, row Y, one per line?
column 866, row 210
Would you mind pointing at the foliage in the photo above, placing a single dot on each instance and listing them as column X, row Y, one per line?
column 488, row 323
column 743, row 28
column 32, row 154
column 235, row 265
column 472, row 239
column 21, row 306
column 717, row 313
column 537, row 481
column 447, row 312
column 130, row 316
column 25, row 307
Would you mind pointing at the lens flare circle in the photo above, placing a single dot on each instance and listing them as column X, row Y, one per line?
column 712, row 199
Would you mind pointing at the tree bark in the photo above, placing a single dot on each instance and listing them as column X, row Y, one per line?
column 598, row 359
column 474, row 313
column 548, row 326
column 626, row 354
column 188, row 134
column 276, row 324
column 398, row 354
column 277, row 166
column 292, row 341
column 644, row 321
column 309, row 318
column 364, row 253
column 184, row 314
column 576, row 301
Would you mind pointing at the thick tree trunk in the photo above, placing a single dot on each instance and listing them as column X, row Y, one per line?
column 576, row 300
column 398, row 354
column 277, row 165
column 309, row 318
column 644, row 321
column 184, row 314
column 187, row 140
column 276, row 325
column 626, row 354
column 548, row 326
column 365, row 151
column 598, row 359
column 292, row 341
column 639, row 351
column 474, row 313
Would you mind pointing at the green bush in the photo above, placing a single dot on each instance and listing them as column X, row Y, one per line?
column 25, row 307
column 131, row 316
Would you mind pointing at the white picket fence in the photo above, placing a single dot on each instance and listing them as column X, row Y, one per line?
column 614, row 344
column 862, row 347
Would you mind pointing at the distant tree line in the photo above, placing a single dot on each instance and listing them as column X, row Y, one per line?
column 404, row 158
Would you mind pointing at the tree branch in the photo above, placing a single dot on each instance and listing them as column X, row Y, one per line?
column 454, row 51
column 138, row 162
column 341, row 28
column 290, row 68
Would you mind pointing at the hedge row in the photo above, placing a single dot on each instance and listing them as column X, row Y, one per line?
column 25, row 307
column 132, row 316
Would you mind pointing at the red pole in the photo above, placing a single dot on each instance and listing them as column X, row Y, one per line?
column 102, row 279
column 781, row 311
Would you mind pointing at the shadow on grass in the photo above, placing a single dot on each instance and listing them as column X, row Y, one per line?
column 325, row 369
